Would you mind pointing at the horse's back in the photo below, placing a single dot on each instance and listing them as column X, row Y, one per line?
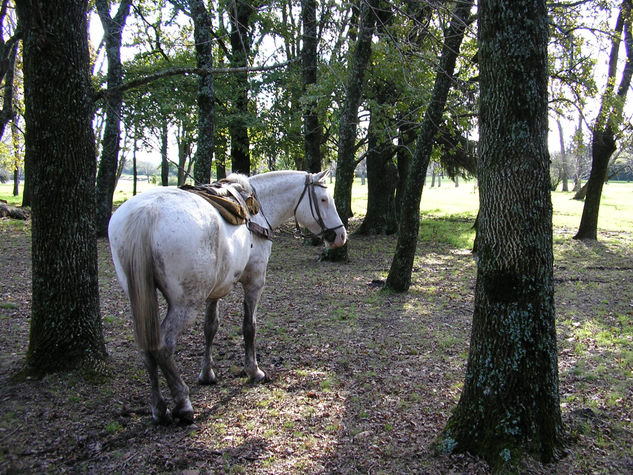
column 194, row 251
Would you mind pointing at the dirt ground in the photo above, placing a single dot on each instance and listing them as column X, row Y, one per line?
column 360, row 381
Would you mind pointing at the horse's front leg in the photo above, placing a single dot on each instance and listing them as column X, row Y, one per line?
column 211, row 323
column 252, row 293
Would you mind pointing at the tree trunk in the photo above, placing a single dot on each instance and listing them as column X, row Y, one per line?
column 399, row 278
column 406, row 141
column 610, row 115
column 221, row 147
column 346, row 161
column 65, row 327
column 602, row 148
column 184, row 151
column 10, row 50
column 28, row 180
column 164, row 158
column 206, row 93
column 134, row 169
column 240, row 12
column 382, row 178
column 510, row 404
column 106, row 178
column 563, row 157
column 312, row 127
column 16, row 181
column 16, row 157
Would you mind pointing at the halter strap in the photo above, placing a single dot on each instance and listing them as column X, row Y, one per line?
column 314, row 210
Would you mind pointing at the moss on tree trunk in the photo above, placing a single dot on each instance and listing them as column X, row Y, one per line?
column 65, row 327
column 510, row 403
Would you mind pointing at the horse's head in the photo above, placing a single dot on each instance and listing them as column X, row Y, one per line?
column 317, row 212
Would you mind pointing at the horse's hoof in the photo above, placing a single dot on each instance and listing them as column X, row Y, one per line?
column 185, row 418
column 258, row 377
column 207, row 379
column 183, row 412
column 162, row 418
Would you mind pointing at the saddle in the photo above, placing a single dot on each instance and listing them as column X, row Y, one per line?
column 234, row 203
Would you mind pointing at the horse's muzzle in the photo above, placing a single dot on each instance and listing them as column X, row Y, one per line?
column 335, row 237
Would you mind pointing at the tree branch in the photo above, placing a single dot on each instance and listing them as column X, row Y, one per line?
column 134, row 83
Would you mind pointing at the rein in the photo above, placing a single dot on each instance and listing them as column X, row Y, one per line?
column 329, row 234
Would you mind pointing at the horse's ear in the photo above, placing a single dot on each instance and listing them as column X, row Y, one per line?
column 322, row 175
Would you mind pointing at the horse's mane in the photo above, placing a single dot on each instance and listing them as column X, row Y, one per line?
column 241, row 181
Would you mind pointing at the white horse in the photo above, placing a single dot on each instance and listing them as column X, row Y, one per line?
column 175, row 241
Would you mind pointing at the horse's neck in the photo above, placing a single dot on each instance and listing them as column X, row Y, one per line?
column 278, row 195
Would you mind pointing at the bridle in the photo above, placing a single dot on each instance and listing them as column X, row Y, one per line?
column 329, row 234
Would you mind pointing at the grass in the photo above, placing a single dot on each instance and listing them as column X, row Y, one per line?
column 448, row 212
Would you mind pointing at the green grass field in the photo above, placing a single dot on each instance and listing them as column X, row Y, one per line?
column 458, row 204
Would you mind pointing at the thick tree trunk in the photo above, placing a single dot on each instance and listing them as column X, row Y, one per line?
column 609, row 117
column 510, row 404
column 240, row 12
column 312, row 127
column 399, row 278
column 106, row 177
column 382, row 179
column 65, row 327
column 206, row 93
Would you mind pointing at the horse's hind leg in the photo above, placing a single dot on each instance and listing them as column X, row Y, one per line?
column 160, row 414
column 172, row 326
column 211, row 323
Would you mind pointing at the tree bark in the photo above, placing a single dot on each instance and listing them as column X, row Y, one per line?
column 8, row 54
column 16, row 157
column 164, row 158
column 346, row 163
column 510, row 403
column 239, row 14
column 604, row 132
column 312, row 127
column 399, row 278
column 66, row 329
column 382, row 179
column 206, row 93
column 563, row 156
column 106, row 177
column 134, row 169
column 406, row 141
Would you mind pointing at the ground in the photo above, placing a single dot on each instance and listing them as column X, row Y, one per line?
column 359, row 380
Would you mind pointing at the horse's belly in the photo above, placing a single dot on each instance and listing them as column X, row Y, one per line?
column 203, row 265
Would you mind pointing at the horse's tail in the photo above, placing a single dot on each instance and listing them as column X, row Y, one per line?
column 138, row 266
